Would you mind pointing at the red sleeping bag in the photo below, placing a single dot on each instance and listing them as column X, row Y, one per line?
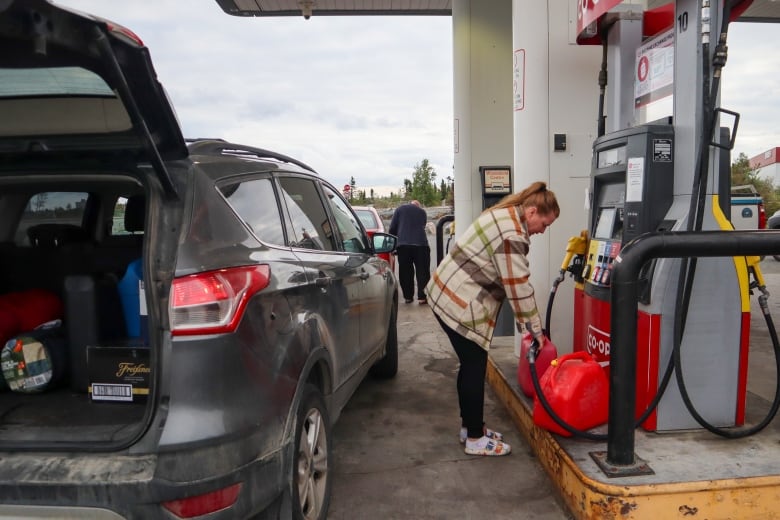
column 23, row 311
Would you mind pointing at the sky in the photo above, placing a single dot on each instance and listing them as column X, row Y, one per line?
column 751, row 85
column 364, row 98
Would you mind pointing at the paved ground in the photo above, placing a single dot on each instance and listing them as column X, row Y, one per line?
column 397, row 453
column 396, row 450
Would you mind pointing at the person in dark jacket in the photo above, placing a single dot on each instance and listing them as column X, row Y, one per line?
column 414, row 253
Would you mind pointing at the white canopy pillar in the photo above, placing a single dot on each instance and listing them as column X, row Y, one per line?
column 482, row 53
column 519, row 78
column 555, row 92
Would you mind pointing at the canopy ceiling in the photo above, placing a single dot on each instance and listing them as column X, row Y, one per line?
column 335, row 7
column 759, row 11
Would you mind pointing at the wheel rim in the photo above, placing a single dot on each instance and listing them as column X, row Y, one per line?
column 312, row 464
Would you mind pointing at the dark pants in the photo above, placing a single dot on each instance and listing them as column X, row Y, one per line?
column 471, row 381
column 414, row 261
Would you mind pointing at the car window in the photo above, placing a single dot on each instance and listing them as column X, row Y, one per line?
column 310, row 224
column 367, row 218
column 352, row 238
column 124, row 219
column 48, row 209
column 254, row 202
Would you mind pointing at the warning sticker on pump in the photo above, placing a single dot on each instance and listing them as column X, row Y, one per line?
column 662, row 150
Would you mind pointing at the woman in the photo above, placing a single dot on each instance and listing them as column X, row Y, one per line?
column 486, row 266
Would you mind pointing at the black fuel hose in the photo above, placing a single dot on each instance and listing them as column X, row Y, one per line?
column 546, row 405
column 674, row 361
column 745, row 431
column 688, row 266
column 531, row 356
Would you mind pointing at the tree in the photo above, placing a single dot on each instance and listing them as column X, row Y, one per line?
column 423, row 184
column 450, row 198
column 443, row 190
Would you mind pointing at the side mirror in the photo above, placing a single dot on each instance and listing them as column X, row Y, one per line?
column 384, row 242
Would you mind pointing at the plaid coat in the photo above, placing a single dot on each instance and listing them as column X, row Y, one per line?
column 486, row 265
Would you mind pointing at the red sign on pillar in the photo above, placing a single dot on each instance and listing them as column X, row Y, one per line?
column 589, row 11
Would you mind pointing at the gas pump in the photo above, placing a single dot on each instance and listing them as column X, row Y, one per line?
column 632, row 175
column 645, row 178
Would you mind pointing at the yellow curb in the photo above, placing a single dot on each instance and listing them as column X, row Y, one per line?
column 753, row 498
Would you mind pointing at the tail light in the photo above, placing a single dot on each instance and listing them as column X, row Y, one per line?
column 761, row 216
column 124, row 32
column 213, row 302
column 204, row 504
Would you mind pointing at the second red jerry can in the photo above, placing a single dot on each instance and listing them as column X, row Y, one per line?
column 577, row 390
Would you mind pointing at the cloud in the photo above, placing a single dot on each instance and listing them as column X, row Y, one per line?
column 362, row 97
column 751, row 85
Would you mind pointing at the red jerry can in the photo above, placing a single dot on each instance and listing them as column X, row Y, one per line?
column 546, row 354
column 577, row 390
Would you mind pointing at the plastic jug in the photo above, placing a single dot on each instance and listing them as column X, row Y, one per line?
column 577, row 390
column 133, row 300
column 546, row 354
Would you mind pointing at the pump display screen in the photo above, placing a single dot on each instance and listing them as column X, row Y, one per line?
column 605, row 223
column 611, row 157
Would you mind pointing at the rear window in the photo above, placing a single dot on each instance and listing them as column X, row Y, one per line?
column 58, row 102
column 62, row 81
column 367, row 218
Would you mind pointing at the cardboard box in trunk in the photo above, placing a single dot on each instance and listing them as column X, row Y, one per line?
column 119, row 372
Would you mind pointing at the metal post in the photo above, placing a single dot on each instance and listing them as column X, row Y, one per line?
column 622, row 395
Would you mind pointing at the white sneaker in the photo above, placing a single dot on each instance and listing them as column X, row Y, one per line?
column 487, row 447
column 490, row 434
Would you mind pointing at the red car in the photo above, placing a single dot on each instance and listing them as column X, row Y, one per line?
column 373, row 223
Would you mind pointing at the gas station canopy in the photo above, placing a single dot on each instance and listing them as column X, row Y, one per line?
column 758, row 10
column 335, row 7
column 659, row 15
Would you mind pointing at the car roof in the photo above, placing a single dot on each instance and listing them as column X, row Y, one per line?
column 222, row 148
column 56, row 62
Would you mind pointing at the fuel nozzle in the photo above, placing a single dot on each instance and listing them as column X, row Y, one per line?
column 758, row 282
column 533, row 351
column 577, row 246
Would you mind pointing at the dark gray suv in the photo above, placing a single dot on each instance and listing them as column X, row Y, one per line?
column 181, row 321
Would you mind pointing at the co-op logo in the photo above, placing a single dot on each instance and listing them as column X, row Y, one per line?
column 598, row 345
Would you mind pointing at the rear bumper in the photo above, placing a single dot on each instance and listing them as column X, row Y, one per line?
column 113, row 487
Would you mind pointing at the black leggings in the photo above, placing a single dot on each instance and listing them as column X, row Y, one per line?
column 471, row 381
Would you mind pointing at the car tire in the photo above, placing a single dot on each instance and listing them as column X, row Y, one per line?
column 387, row 367
column 312, row 461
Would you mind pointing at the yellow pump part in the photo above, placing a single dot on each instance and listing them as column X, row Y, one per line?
column 740, row 262
column 578, row 245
